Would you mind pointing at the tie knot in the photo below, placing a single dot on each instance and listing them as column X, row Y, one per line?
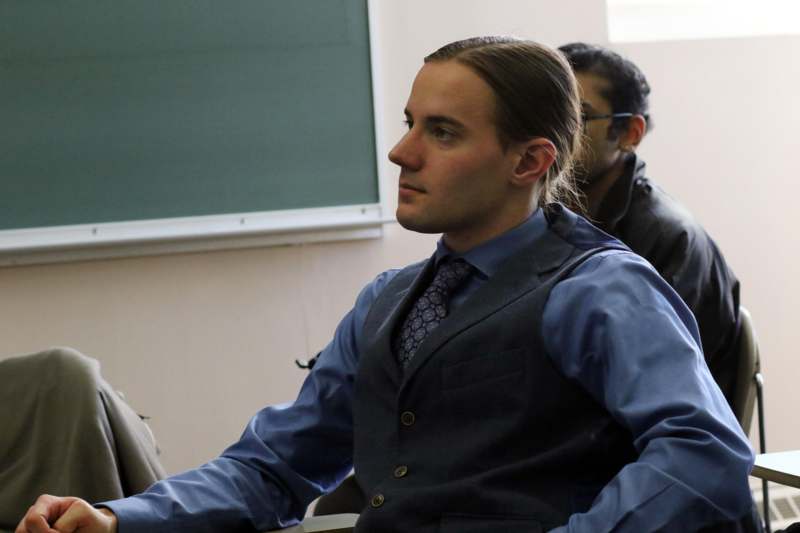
column 451, row 274
column 430, row 308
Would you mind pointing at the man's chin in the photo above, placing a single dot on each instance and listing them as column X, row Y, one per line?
column 413, row 223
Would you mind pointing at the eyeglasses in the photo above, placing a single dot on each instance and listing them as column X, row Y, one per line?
column 586, row 118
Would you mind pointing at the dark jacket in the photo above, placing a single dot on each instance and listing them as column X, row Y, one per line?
column 640, row 214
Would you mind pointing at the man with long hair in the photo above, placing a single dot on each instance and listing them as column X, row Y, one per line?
column 514, row 381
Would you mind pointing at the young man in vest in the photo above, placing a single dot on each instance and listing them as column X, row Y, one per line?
column 514, row 381
column 624, row 203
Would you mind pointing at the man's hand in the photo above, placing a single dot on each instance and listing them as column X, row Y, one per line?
column 51, row 514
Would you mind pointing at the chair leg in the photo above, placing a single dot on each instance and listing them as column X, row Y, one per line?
column 762, row 443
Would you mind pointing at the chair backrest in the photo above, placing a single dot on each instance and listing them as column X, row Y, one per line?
column 748, row 365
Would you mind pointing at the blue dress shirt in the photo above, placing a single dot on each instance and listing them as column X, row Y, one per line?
column 614, row 325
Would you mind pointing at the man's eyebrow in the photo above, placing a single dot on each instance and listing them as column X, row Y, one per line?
column 444, row 120
column 436, row 120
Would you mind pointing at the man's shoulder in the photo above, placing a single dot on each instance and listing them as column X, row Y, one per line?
column 649, row 199
column 578, row 232
column 375, row 287
column 654, row 217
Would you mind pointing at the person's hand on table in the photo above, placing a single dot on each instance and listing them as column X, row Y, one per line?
column 53, row 514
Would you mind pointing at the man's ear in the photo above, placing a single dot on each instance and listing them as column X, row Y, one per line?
column 632, row 136
column 536, row 156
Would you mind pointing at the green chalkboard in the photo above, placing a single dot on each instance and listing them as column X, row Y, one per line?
column 131, row 110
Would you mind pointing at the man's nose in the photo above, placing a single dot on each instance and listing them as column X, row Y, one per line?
column 407, row 153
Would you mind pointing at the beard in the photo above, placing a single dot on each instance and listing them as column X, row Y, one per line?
column 585, row 175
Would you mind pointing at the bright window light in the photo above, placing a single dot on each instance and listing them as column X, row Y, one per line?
column 663, row 20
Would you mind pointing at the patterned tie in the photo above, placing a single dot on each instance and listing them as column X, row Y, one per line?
column 430, row 308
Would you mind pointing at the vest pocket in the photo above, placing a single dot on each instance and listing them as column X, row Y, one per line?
column 483, row 368
column 467, row 523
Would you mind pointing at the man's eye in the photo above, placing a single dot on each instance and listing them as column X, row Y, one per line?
column 409, row 123
column 442, row 134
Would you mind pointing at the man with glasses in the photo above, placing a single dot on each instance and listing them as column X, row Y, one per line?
column 621, row 201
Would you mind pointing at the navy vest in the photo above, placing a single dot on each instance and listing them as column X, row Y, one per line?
column 482, row 432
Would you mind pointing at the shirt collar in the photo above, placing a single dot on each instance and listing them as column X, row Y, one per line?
column 618, row 198
column 487, row 257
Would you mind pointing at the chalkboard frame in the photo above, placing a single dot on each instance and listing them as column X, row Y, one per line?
column 210, row 232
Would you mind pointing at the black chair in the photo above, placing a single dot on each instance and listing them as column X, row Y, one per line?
column 748, row 392
column 745, row 394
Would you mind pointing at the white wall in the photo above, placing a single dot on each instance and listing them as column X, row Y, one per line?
column 202, row 341
column 726, row 143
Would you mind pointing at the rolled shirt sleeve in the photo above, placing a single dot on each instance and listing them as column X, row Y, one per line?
column 617, row 328
column 286, row 457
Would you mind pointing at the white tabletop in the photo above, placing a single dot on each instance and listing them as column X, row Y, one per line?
column 335, row 523
column 780, row 467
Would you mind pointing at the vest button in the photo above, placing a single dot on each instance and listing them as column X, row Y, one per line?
column 407, row 418
column 377, row 500
column 400, row 471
